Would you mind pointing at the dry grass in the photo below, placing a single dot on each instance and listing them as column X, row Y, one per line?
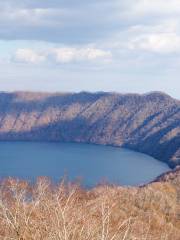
column 68, row 212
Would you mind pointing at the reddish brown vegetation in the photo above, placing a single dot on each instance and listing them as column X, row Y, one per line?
column 68, row 212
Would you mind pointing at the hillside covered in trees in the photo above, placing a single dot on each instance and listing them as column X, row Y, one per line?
column 148, row 123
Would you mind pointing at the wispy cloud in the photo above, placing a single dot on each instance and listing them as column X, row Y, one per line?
column 154, row 7
column 29, row 56
column 133, row 38
column 57, row 21
column 163, row 37
column 61, row 55
column 158, row 43
column 65, row 55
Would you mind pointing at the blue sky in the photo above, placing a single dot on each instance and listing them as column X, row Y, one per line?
column 97, row 45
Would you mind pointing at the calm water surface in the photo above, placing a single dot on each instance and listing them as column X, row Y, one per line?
column 91, row 163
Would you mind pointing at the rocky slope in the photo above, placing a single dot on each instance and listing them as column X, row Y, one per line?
column 148, row 123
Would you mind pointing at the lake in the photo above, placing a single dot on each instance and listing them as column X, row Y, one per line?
column 91, row 163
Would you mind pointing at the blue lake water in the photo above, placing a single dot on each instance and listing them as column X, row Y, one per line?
column 91, row 163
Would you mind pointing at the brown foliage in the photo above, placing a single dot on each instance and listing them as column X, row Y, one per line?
column 68, row 212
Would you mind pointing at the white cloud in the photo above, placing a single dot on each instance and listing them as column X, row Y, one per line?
column 143, row 7
column 32, row 17
column 65, row 55
column 169, row 25
column 29, row 56
column 62, row 55
column 163, row 37
column 161, row 43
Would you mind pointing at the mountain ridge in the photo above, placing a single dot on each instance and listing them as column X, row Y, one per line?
column 149, row 123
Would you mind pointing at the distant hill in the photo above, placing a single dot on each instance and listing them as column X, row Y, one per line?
column 148, row 123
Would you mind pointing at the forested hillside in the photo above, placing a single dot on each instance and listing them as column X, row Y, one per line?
column 148, row 123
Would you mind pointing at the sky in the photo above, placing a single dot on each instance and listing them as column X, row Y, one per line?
column 98, row 45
